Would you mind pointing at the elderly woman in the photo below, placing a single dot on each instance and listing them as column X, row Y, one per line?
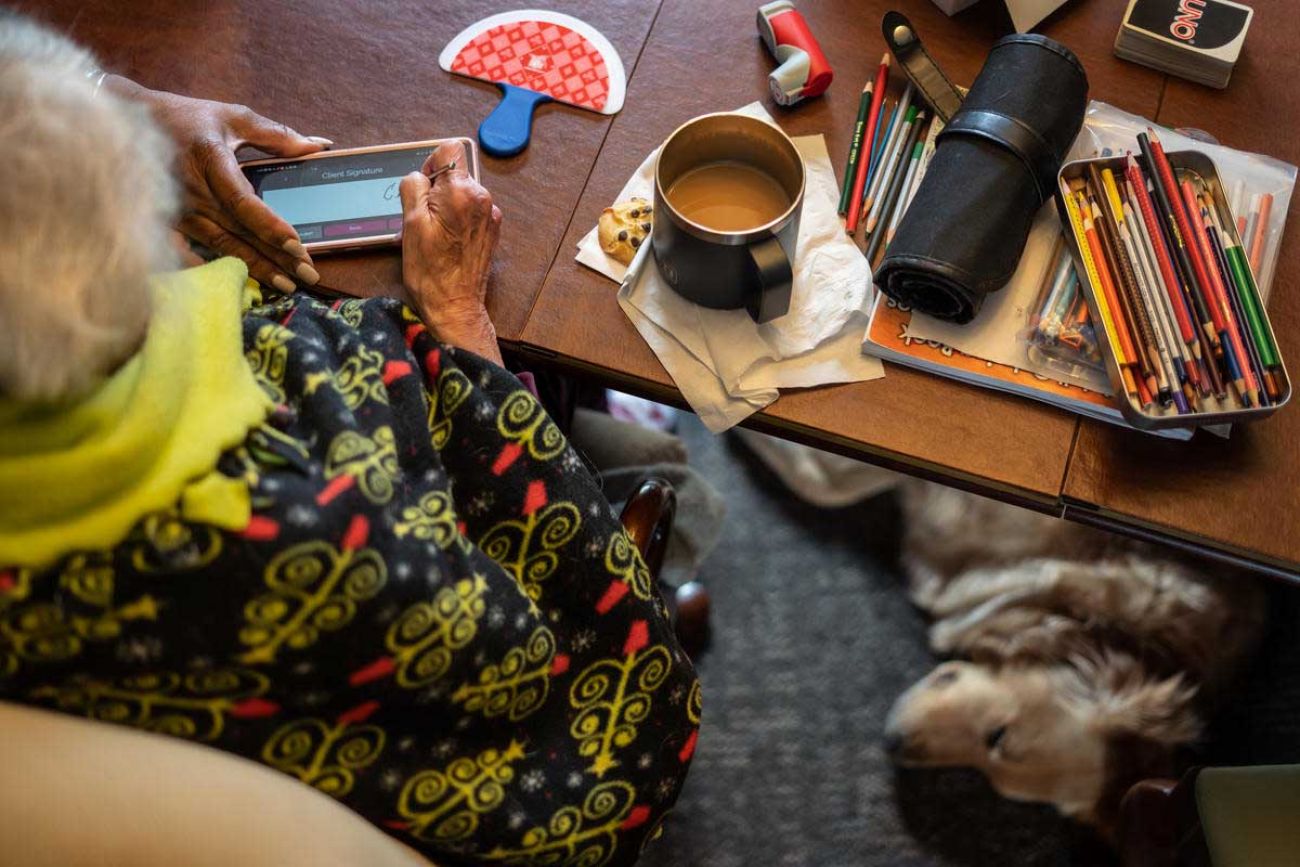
column 334, row 538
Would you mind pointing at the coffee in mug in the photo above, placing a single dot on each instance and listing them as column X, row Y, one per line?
column 728, row 196
column 728, row 193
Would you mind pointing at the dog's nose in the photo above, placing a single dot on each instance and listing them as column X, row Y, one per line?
column 893, row 743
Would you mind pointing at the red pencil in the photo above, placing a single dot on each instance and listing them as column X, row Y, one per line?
column 1108, row 290
column 1218, row 290
column 1202, row 281
column 877, row 99
column 1163, row 258
column 1261, row 232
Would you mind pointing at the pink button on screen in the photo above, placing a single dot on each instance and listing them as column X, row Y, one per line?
column 361, row 227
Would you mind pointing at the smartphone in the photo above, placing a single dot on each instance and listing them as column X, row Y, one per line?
column 345, row 199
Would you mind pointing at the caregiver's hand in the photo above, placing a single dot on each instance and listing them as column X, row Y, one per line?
column 219, row 208
column 449, row 231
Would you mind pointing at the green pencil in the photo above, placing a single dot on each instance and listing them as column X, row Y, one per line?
column 1244, row 283
column 855, row 149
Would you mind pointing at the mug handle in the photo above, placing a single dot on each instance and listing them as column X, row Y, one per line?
column 774, row 279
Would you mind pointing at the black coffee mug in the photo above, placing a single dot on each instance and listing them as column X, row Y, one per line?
column 748, row 269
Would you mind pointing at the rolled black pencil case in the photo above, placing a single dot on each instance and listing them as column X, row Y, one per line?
column 994, row 165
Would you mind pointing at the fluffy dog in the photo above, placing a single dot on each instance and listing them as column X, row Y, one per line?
column 1086, row 661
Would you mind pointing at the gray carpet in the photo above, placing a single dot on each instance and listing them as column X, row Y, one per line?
column 813, row 640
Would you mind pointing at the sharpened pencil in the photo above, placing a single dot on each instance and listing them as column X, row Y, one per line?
column 883, row 126
column 897, row 174
column 895, row 134
column 860, row 177
column 1234, row 350
column 1261, row 232
column 874, row 224
column 905, row 194
column 855, row 146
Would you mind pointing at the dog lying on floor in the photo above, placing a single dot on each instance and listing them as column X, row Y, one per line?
column 1085, row 661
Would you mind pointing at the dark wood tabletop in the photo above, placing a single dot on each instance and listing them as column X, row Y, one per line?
column 1241, row 496
column 364, row 73
column 367, row 73
column 705, row 55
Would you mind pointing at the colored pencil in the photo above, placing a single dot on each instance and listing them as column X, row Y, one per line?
column 1261, row 232
column 1244, row 283
column 1206, row 337
column 875, row 224
column 1251, row 220
column 1167, row 198
column 879, row 146
column 920, row 168
column 860, row 177
column 1139, row 193
column 1046, row 291
column 1234, row 349
column 905, row 193
column 1250, row 350
column 1147, row 287
column 1161, row 301
column 1245, row 301
column 1126, row 284
column 1090, row 268
column 893, row 182
column 1123, row 333
column 855, row 146
column 1234, row 203
column 894, row 136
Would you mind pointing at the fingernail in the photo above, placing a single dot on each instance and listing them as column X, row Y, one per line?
column 294, row 248
column 307, row 274
column 320, row 140
column 283, row 283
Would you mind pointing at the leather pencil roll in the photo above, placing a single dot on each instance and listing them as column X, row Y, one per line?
column 994, row 165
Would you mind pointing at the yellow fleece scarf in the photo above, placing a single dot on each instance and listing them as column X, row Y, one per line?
column 78, row 476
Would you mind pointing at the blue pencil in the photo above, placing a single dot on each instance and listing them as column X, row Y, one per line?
column 878, row 146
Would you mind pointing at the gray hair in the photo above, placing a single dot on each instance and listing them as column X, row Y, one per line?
column 85, row 209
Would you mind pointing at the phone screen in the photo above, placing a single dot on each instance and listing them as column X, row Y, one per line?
column 337, row 198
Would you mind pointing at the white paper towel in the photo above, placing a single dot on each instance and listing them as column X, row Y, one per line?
column 726, row 366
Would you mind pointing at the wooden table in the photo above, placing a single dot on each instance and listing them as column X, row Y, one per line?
column 362, row 73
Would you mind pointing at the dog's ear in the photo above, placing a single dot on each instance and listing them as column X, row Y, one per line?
column 1146, row 723
column 1159, row 711
column 1124, row 700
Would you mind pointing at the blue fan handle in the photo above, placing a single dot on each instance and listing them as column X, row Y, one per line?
column 505, row 131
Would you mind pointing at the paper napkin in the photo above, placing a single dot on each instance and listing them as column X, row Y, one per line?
column 726, row 366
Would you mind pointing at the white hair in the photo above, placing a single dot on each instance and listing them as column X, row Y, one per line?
column 85, row 208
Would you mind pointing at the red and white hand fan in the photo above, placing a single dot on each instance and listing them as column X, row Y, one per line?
column 534, row 55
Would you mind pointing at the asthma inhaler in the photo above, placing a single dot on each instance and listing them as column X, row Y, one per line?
column 804, row 71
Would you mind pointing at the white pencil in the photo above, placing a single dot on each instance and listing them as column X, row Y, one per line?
column 905, row 197
column 890, row 167
column 893, row 138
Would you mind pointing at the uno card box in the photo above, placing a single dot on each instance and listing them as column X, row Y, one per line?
column 1199, row 40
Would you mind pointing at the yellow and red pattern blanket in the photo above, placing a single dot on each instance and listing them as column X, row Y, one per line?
column 433, row 614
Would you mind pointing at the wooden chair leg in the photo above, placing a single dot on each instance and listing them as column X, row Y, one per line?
column 648, row 519
column 1159, row 826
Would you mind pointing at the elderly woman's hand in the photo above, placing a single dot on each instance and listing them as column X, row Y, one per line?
column 449, row 231
column 219, row 208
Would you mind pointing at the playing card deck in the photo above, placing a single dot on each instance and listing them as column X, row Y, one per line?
column 1199, row 40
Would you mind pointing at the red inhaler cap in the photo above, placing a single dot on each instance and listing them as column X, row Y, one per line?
column 803, row 71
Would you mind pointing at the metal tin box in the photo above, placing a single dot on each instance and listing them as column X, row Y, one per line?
column 1157, row 417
